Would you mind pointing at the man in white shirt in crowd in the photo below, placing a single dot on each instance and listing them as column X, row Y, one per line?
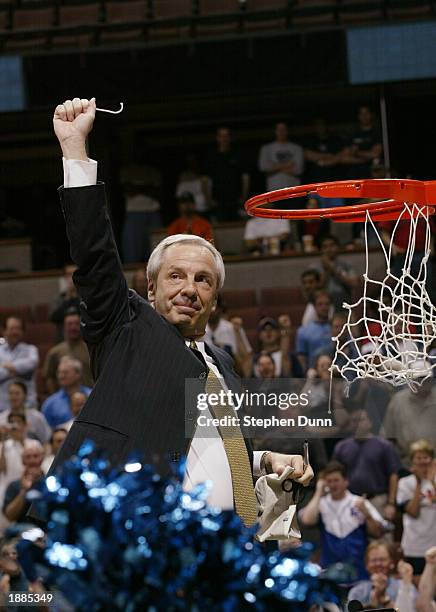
column 267, row 236
column 310, row 284
column 416, row 496
column 18, row 360
column 230, row 336
column 345, row 520
column 281, row 161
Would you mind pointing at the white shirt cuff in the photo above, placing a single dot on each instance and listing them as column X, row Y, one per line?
column 78, row 173
column 257, row 456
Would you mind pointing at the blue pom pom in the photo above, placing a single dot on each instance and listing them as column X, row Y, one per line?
column 127, row 539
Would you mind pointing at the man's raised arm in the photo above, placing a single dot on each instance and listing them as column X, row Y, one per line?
column 99, row 278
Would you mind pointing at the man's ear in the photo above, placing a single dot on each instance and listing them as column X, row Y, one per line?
column 215, row 300
column 151, row 291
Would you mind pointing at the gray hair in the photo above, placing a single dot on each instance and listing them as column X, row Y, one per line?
column 33, row 445
column 155, row 261
column 72, row 362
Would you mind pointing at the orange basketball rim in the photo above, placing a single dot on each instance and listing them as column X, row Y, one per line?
column 388, row 197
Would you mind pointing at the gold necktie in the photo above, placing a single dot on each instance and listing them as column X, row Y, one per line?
column 236, row 451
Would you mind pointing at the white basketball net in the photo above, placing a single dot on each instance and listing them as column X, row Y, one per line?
column 398, row 305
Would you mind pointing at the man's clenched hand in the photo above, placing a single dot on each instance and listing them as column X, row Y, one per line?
column 277, row 463
column 72, row 122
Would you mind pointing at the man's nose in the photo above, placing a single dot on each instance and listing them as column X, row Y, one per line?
column 189, row 288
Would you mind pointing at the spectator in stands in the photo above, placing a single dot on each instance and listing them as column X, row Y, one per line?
column 142, row 186
column 373, row 396
column 337, row 276
column 325, row 393
column 265, row 366
column 189, row 222
column 13, row 438
column 57, row 407
column 74, row 347
column 314, row 335
column 410, row 417
column 427, row 583
column 228, row 182
column 321, row 153
column 349, row 348
column 364, row 147
column 382, row 589
column 18, row 360
column 266, row 236
column 230, row 336
column 65, row 301
column 281, row 161
column 416, row 496
column 192, row 181
column 15, row 504
column 338, row 321
column 371, row 463
column 57, row 439
column 12, row 577
column 400, row 244
column 36, row 423
column 345, row 520
column 78, row 400
column 311, row 230
column 310, row 284
column 275, row 338
column 139, row 282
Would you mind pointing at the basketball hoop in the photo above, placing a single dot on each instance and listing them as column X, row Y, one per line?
column 398, row 306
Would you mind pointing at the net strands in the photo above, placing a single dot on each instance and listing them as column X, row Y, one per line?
column 399, row 307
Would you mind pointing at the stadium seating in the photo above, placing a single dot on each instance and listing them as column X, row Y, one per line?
column 40, row 333
column 34, row 18
column 122, row 19
column 40, row 313
column 126, row 12
column 79, row 23
column 4, row 20
column 171, row 19
column 352, row 11
column 79, row 14
column 241, row 298
column 250, row 316
column 219, row 17
column 24, row 312
column 273, row 296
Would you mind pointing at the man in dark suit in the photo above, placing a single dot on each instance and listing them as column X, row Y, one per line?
column 142, row 352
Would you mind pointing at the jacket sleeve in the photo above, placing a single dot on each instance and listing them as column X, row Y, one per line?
column 99, row 279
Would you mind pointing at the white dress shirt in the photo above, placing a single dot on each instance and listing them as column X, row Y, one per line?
column 224, row 335
column 207, row 459
column 25, row 359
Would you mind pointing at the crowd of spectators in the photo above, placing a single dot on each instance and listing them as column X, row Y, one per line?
column 214, row 188
column 373, row 503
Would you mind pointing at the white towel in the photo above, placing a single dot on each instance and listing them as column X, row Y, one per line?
column 277, row 508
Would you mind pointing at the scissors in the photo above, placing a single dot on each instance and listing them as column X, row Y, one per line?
column 290, row 485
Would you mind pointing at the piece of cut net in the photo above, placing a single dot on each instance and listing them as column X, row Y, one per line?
column 390, row 330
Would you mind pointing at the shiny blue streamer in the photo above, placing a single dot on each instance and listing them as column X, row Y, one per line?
column 129, row 540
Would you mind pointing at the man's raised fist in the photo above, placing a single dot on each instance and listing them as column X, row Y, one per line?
column 73, row 121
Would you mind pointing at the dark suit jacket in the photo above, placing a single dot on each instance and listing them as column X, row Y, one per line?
column 139, row 361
